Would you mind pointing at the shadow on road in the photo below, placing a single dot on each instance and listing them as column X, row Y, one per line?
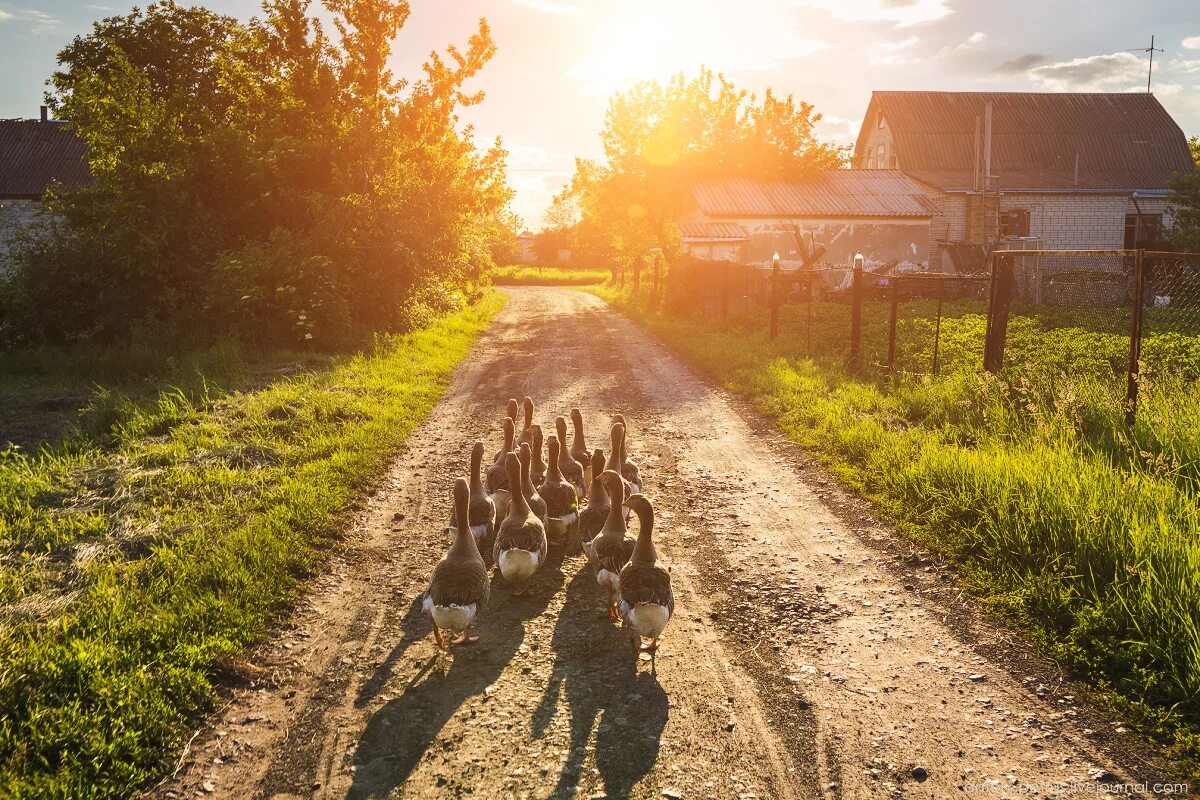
column 596, row 670
column 400, row 733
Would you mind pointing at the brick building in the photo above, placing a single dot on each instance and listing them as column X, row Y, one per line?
column 1028, row 170
column 33, row 155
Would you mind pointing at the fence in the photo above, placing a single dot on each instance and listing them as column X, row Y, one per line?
column 1134, row 313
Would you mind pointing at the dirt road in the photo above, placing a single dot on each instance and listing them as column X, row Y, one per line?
column 813, row 653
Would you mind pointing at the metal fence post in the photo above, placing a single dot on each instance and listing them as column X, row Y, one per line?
column 725, row 291
column 856, row 290
column 775, row 279
column 892, row 315
column 1135, row 336
column 937, row 334
column 998, row 306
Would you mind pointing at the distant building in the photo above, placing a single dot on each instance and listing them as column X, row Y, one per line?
column 525, row 248
column 1060, row 171
column 821, row 220
column 33, row 155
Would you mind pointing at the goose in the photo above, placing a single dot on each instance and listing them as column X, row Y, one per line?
column 629, row 470
column 647, row 601
column 579, row 449
column 513, row 410
column 612, row 548
column 497, row 476
column 591, row 519
column 482, row 512
column 537, row 467
column 520, row 546
column 613, row 463
column 530, row 491
column 459, row 587
column 562, row 499
column 526, row 436
column 571, row 470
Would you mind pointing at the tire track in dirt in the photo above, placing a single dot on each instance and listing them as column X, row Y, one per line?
column 801, row 662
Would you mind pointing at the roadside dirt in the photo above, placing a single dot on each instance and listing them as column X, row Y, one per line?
column 813, row 654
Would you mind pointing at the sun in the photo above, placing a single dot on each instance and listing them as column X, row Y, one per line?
column 634, row 41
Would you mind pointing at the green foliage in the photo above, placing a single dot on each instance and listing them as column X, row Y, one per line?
column 659, row 138
column 1056, row 513
column 1185, row 204
column 547, row 276
column 264, row 179
column 139, row 564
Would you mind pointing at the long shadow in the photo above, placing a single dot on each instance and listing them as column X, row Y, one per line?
column 596, row 671
column 416, row 626
column 399, row 733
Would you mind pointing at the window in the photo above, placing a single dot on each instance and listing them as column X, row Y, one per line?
column 1014, row 223
column 1143, row 230
column 881, row 157
column 879, row 122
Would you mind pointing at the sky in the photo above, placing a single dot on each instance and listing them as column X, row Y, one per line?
column 558, row 61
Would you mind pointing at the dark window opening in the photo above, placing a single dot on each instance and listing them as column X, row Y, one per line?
column 1143, row 231
column 1014, row 223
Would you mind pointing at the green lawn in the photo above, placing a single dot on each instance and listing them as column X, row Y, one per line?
column 1056, row 514
column 153, row 541
column 518, row 275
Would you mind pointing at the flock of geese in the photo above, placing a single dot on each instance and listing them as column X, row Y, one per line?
column 522, row 500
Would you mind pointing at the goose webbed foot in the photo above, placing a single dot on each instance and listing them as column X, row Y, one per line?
column 465, row 638
column 438, row 637
column 523, row 590
column 612, row 613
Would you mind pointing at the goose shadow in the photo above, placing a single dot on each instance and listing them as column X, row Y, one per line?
column 596, row 672
column 399, row 734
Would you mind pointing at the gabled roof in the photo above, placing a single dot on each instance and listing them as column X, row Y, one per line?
column 1123, row 141
column 34, row 154
column 835, row 193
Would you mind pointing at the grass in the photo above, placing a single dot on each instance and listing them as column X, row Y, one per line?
column 518, row 275
column 1056, row 514
column 135, row 570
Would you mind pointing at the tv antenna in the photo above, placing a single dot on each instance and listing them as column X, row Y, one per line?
column 1151, row 50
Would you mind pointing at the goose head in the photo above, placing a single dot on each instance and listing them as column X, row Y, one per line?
column 528, row 404
column 617, row 438
column 643, row 551
column 514, row 409
column 518, row 506
column 554, row 450
column 476, row 486
column 525, row 483
column 464, row 547
column 597, row 492
column 614, row 485
column 537, row 450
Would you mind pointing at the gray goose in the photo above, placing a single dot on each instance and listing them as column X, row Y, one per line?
column 629, row 470
column 459, row 587
column 526, row 436
column 571, row 470
column 530, row 491
column 617, row 443
column 537, row 467
column 579, row 448
column 520, row 546
column 647, row 601
column 497, row 476
column 591, row 519
column 562, row 500
column 612, row 547
column 513, row 410
column 481, row 515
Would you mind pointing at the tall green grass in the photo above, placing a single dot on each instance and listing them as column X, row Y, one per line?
column 518, row 275
column 1057, row 514
column 132, row 572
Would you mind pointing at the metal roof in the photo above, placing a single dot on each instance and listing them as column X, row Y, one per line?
column 838, row 193
column 34, row 154
column 1123, row 141
column 724, row 231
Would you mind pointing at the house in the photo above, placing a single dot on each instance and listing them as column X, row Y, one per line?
column 1028, row 170
column 33, row 155
column 824, row 219
column 525, row 247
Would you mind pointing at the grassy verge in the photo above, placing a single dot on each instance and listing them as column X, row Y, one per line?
column 133, row 573
column 1057, row 515
column 547, row 276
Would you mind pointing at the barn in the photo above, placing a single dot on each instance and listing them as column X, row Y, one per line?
column 821, row 220
column 1028, row 170
column 33, row 155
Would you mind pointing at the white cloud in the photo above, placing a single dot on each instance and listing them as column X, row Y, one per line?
column 1102, row 72
column 4, row 15
column 902, row 13
column 970, row 43
column 837, row 130
column 882, row 53
column 549, row 6
column 1192, row 43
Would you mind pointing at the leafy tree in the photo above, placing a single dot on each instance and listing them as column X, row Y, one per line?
column 660, row 138
column 266, row 179
column 1185, row 204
